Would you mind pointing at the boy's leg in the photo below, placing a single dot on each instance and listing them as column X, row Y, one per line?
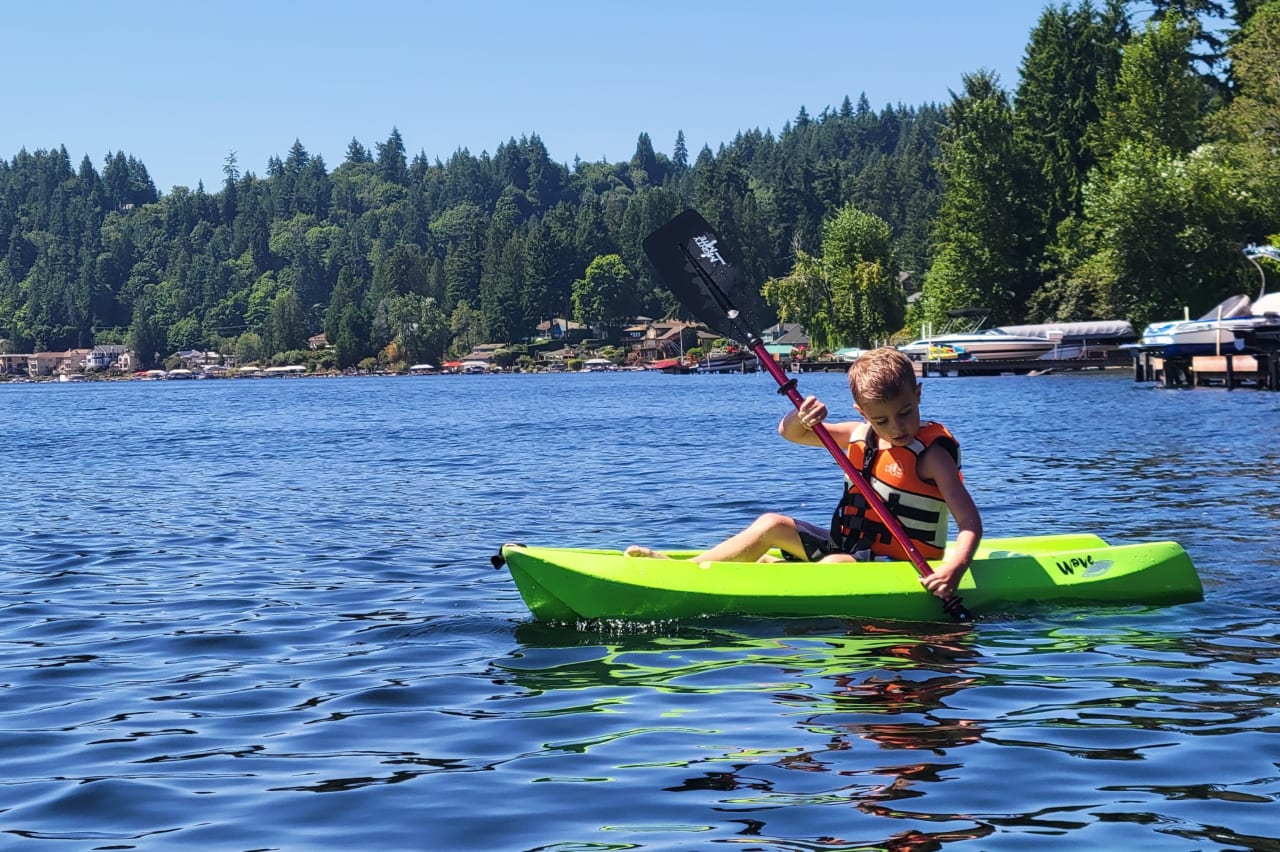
column 765, row 533
column 771, row 530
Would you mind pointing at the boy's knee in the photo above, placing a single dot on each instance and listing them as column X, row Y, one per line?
column 773, row 521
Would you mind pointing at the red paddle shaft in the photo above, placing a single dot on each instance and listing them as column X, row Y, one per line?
column 952, row 605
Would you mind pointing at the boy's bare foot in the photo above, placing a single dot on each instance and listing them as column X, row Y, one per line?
column 637, row 550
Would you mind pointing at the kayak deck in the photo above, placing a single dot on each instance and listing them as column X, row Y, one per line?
column 568, row 584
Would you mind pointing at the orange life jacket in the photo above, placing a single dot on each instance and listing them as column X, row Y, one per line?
column 917, row 504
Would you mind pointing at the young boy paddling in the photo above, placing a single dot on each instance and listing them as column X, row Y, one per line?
column 914, row 466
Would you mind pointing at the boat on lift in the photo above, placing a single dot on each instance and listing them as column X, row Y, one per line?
column 1237, row 324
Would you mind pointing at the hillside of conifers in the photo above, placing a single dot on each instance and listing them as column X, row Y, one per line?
column 1119, row 178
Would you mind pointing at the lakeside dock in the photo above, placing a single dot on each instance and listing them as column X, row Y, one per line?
column 985, row 367
column 1260, row 370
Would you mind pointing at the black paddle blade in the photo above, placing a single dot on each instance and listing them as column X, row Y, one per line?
column 693, row 261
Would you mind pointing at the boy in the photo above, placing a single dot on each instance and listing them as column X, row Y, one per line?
column 914, row 467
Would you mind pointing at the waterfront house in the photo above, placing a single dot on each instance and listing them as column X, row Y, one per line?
column 671, row 339
column 562, row 330
column 106, row 356
column 633, row 335
column 195, row 358
column 14, row 364
column 45, row 363
column 483, row 353
column 784, row 339
column 786, row 333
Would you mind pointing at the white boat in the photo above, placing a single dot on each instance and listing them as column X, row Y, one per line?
column 1079, row 340
column 848, row 354
column 990, row 344
column 288, row 370
column 598, row 365
column 740, row 361
column 1234, row 325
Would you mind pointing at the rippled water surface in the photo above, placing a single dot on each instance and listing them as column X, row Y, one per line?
column 260, row 615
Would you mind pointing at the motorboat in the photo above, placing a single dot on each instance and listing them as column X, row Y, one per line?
column 737, row 361
column 1220, row 330
column 670, row 366
column 1089, row 339
column 989, row 344
column 848, row 354
column 1237, row 324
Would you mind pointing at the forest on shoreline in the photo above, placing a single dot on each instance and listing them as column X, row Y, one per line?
column 1120, row 178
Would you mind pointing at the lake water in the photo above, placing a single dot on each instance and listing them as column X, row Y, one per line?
column 261, row 615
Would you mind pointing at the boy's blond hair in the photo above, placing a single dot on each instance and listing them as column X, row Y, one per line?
column 880, row 374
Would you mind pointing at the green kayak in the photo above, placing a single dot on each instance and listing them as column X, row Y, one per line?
column 569, row 585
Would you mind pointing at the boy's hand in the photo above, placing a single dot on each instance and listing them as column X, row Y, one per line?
column 811, row 412
column 944, row 581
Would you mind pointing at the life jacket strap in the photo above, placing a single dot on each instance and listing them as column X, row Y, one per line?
column 852, row 530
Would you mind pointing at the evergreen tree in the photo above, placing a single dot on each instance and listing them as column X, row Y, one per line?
column 345, row 294
column 680, row 155
column 357, row 154
column 645, row 168
column 231, row 173
column 351, row 345
column 545, row 180
column 287, row 327
column 393, row 166
column 985, row 222
column 147, row 336
column 1070, row 56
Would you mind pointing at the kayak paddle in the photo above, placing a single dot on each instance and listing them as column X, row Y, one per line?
column 689, row 256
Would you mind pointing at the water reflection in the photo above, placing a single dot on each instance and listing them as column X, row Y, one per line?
column 850, row 700
column 912, row 724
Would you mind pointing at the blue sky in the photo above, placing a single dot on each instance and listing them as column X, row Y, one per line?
column 181, row 85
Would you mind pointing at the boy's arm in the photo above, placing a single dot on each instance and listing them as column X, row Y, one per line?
column 797, row 425
column 938, row 465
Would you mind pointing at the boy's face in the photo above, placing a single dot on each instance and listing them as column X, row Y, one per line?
column 894, row 420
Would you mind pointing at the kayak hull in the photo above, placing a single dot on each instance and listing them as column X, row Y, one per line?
column 570, row 585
